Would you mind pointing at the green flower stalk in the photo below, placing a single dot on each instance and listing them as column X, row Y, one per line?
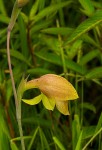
column 15, row 12
column 55, row 91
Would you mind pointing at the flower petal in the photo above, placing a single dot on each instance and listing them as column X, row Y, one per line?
column 56, row 87
column 48, row 102
column 33, row 101
column 62, row 106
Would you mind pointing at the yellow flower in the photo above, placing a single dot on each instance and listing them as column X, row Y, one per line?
column 55, row 90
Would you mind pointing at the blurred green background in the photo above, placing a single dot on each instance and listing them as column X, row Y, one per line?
column 63, row 37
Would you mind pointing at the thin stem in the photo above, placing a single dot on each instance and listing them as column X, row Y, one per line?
column 100, row 141
column 31, row 49
column 10, row 69
column 82, row 101
column 62, row 51
column 17, row 103
column 64, row 66
column 92, row 139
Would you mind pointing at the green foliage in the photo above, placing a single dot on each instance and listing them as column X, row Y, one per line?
column 13, row 146
column 4, row 134
column 88, row 7
column 58, row 143
column 85, row 26
column 53, row 36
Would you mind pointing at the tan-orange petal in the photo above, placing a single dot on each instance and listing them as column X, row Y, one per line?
column 62, row 106
column 56, row 87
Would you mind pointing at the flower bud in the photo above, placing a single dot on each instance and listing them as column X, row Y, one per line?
column 21, row 3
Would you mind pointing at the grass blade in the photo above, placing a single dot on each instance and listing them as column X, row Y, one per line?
column 58, row 143
column 85, row 27
column 33, row 138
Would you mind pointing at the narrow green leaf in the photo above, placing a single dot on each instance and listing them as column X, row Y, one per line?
column 89, row 56
column 16, row 55
column 88, row 132
column 25, row 17
column 89, row 40
column 75, row 131
column 42, row 4
column 3, row 35
column 23, row 37
column 97, row 4
column 40, row 25
column 4, row 19
column 13, row 146
column 56, row 31
column 3, row 125
column 33, row 10
column 3, row 32
column 94, row 136
column 99, row 125
column 40, row 71
column 38, row 120
column 9, row 91
column 4, row 133
column 50, row 9
column 74, row 49
column 58, row 143
column 2, row 8
column 85, row 27
column 52, row 42
column 97, row 81
column 44, row 140
column 33, row 138
column 88, row 106
column 19, row 138
column 79, row 143
column 88, row 7
column 34, row 100
column 94, row 73
column 55, row 59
